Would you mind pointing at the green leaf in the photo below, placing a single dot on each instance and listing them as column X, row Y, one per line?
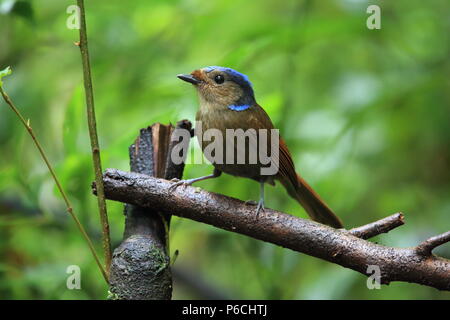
column 4, row 73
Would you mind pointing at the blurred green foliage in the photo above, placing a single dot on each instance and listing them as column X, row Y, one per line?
column 364, row 112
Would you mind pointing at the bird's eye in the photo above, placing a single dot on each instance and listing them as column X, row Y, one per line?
column 219, row 79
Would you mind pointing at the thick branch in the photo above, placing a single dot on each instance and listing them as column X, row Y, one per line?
column 309, row 237
column 140, row 266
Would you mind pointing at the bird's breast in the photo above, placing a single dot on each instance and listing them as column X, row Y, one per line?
column 238, row 152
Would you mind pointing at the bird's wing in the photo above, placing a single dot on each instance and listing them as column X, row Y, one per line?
column 286, row 168
column 298, row 188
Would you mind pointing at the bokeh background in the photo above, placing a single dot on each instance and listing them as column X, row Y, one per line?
column 366, row 114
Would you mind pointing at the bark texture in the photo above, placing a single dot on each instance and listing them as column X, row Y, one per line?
column 140, row 268
column 347, row 248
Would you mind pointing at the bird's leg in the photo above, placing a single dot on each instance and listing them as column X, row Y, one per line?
column 216, row 173
column 261, row 199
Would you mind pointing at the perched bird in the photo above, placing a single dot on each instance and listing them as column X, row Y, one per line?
column 227, row 101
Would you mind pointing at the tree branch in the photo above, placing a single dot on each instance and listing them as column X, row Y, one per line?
column 92, row 125
column 337, row 246
column 140, row 267
column 378, row 227
column 427, row 246
column 69, row 206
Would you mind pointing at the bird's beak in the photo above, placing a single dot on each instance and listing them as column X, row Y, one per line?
column 189, row 78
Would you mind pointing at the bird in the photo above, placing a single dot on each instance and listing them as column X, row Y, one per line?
column 227, row 101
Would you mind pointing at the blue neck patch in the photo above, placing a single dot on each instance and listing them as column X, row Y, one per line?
column 238, row 108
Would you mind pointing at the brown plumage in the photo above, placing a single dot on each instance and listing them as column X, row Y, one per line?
column 219, row 103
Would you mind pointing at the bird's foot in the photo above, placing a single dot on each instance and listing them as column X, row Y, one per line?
column 179, row 182
column 259, row 207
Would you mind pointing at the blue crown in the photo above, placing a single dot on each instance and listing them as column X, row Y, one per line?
column 235, row 76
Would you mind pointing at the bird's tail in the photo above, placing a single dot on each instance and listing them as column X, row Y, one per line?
column 311, row 202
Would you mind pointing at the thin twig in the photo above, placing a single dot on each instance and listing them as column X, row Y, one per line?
column 83, row 44
column 426, row 247
column 55, row 178
column 378, row 227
